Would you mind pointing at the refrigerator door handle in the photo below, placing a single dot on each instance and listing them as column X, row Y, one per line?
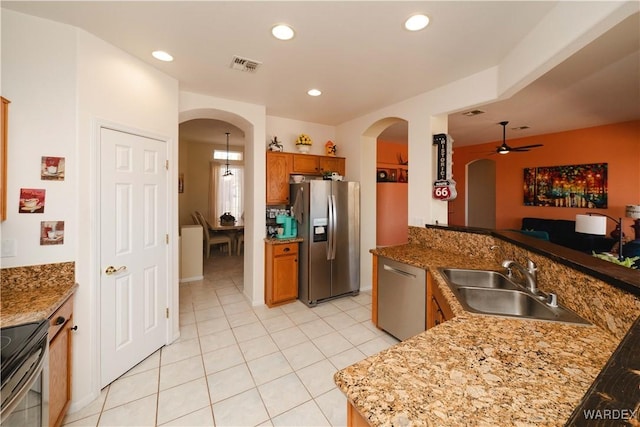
column 334, row 227
column 330, row 236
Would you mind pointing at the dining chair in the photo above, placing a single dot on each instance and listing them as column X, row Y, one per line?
column 211, row 238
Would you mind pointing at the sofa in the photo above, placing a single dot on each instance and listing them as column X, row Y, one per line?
column 563, row 232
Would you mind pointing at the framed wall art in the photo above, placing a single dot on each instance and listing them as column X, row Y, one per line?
column 31, row 200
column 572, row 186
column 52, row 168
column 51, row 232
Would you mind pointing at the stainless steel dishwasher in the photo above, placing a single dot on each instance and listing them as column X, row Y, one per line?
column 402, row 293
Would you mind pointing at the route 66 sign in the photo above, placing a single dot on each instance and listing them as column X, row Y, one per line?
column 444, row 188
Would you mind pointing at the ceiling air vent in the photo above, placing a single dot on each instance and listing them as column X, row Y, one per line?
column 472, row 113
column 244, row 64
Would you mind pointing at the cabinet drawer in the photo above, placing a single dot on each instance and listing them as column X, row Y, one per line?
column 285, row 249
column 60, row 317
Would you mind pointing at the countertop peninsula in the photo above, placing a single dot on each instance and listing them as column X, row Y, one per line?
column 476, row 369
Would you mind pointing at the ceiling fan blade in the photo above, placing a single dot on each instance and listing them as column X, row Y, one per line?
column 528, row 146
column 520, row 149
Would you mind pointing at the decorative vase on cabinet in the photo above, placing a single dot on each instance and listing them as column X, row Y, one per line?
column 303, row 148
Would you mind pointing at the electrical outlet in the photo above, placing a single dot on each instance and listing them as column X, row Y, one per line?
column 9, row 248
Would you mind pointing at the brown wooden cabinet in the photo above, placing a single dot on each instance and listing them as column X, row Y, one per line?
column 4, row 122
column 60, row 325
column 438, row 310
column 332, row 164
column 278, row 170
column 306, row 164
column 354, row 419
column 281, row 273
column 280, row 165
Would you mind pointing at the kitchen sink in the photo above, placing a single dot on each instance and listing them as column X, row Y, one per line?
column 478, row 278
column 492, row 293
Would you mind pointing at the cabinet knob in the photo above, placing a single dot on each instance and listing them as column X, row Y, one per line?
column 75, row 328
column 59, row 321
column 286, row 249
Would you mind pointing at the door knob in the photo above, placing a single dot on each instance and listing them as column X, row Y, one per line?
column 112, row 270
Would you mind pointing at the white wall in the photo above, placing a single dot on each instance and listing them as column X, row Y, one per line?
column 62, row 82
column 287, row 130
column 39, row 78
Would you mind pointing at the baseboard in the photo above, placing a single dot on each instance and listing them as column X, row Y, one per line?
column 191, row 279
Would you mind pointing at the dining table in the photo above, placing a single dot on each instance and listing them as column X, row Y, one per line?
column 234, row 230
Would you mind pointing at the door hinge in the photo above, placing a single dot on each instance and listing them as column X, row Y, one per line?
column 166, row 238
column 167, row 312
column 166, row 164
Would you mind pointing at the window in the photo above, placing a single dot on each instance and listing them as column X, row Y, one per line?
column 227, row 191
column 222, row 155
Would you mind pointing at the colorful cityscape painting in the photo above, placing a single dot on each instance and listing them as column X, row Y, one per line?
column 572, row 186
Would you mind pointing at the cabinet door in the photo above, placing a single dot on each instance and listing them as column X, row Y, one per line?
column 59, row 375
column 306, row 164
column 278, row 169
column 332, row 164
column 285, row 272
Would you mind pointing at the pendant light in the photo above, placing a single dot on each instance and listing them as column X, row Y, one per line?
column 227, row 172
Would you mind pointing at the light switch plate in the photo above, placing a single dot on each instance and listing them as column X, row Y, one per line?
column 8, row 248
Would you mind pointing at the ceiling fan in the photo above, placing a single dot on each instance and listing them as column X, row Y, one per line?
column 505, row 149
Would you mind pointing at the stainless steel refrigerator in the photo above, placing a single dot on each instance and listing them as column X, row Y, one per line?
column 329, row 258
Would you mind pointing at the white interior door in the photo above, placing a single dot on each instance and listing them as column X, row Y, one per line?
column 133, row 250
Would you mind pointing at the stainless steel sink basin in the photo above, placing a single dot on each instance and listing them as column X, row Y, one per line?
column 510, row 302
column 478, row 278
column 492, row 293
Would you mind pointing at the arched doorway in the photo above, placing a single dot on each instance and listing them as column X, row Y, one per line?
column 481, row 194
column 252, row 252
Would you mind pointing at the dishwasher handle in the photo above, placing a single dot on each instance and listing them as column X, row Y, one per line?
column 397, row 271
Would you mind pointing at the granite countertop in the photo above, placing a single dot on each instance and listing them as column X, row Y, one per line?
column 476, row 369
column 276, row 241
column 22, row 306
column 34, row 293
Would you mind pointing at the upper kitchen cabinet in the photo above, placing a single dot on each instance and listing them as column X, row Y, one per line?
column 332, row 164
column 278, row 170
column 4, row 119
column 306, row 164
column 309, row 164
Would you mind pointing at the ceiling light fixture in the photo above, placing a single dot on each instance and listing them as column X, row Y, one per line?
column 283, row 32
column 314, row 92
column 227, row 173
column 416, row 22
column 161, row 55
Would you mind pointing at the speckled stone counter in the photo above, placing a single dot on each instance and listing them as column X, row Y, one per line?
column 476, row 370
column 34, row 293
column 276, row 241
column 479, row 370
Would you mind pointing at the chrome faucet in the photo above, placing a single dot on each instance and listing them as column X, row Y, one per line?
column 529, row 273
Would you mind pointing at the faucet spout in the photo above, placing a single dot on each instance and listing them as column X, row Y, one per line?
column 528, row 273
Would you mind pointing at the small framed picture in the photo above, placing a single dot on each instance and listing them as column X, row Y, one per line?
column 51, row 232
column 31, row 200
column 52, row 168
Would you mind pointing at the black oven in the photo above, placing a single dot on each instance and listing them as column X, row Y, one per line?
column 24, row 375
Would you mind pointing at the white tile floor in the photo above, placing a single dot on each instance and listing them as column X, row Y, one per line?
column 238, row 365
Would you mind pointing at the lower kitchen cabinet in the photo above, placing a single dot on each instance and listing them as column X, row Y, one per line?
column 354, row 419
column 438, row 310
column 281, row 273
column 60, row 325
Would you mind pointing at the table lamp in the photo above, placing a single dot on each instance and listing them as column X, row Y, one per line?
column 596, row 223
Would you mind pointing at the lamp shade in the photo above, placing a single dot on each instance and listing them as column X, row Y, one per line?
column 632, row 211
column 589, row 224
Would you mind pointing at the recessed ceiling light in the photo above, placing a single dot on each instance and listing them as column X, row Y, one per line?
column 314, row 92
column 162, row 55
column 416, row 22
column 282, row 32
